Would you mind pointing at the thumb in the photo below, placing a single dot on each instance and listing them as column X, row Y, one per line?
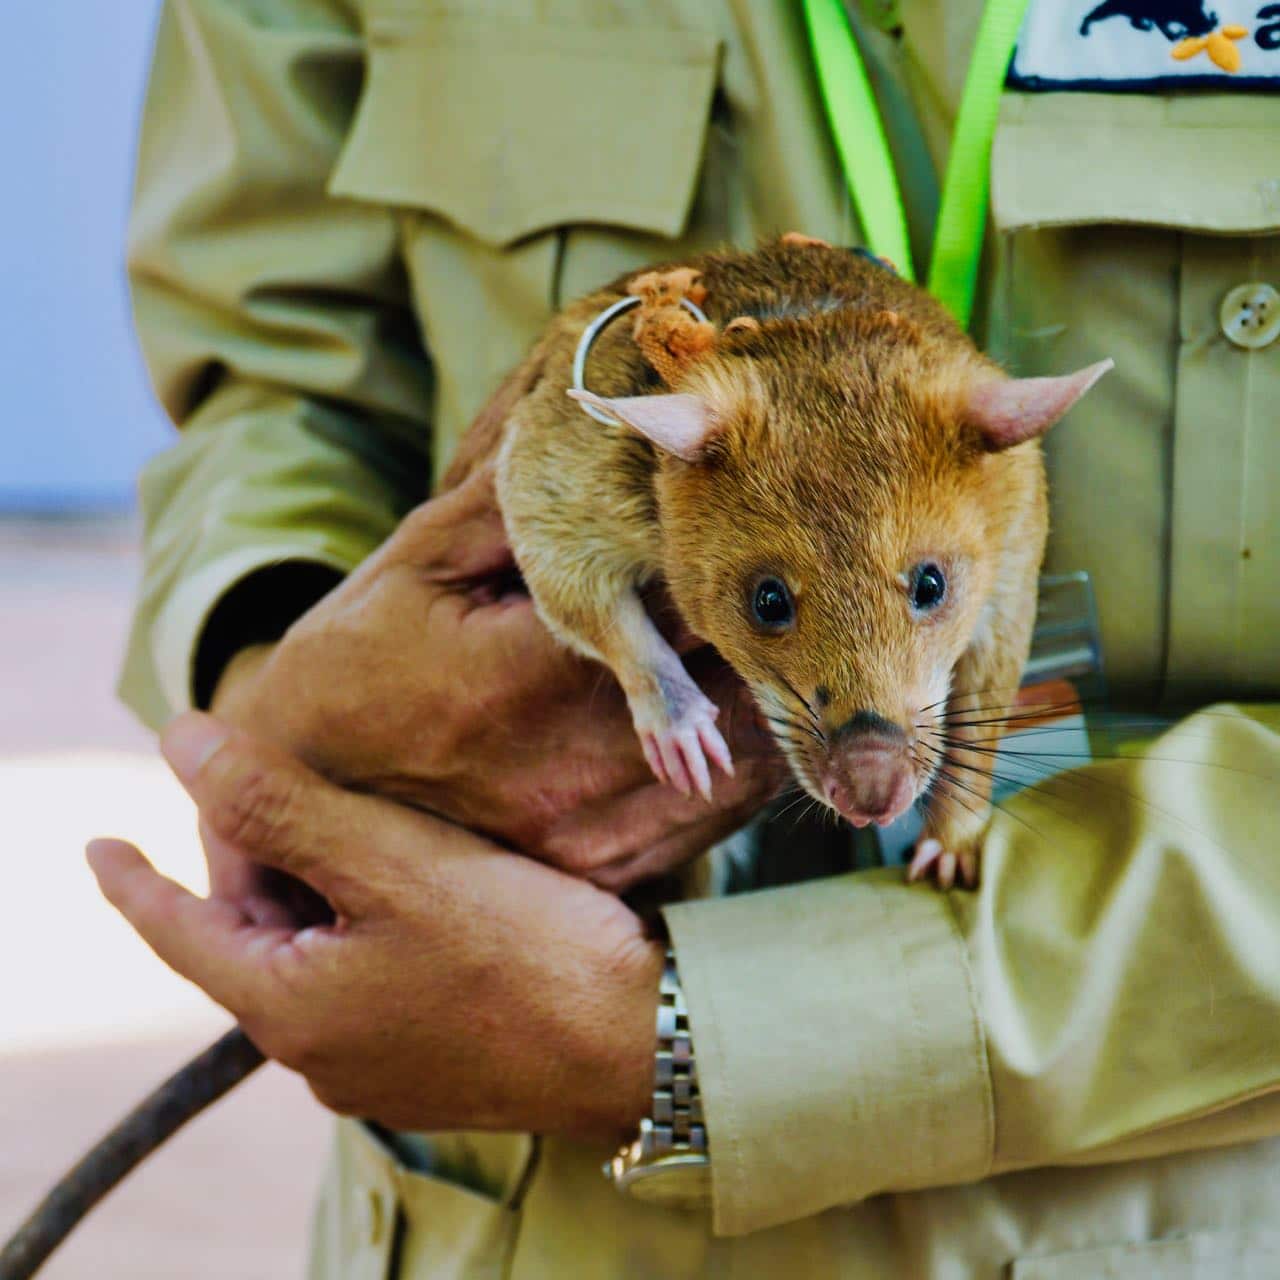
column 268, row 806
column 458, row 535
column 207, row 941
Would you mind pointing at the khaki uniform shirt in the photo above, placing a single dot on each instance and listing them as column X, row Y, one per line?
column 352, row 218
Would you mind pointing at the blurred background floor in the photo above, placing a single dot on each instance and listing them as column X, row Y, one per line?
column 89, row 1019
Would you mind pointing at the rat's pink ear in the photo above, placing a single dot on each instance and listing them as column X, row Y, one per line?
column 678, row 424
column 1012, row 410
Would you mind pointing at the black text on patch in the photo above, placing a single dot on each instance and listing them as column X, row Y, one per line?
column 1118, row 45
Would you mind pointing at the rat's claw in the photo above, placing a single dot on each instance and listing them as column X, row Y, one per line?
column 946, row 871
column 679, row 735
column 717, row 748
column 673, row 762
column 649, row 745
column 926, row 854
column 690, row 744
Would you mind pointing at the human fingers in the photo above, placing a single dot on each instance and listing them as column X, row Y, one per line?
column 265, row 805
column 244, row 889
column 682, row 844
column 455, row 536
column 206, row 940
column 621, row 812
column 263, row 895
column 650, row 829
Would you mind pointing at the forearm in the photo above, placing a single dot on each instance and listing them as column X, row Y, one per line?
column 1109, row 992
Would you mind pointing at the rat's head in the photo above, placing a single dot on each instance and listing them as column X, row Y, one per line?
column 836, row 495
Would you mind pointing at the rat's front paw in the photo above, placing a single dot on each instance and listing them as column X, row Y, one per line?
column 948, row 851
column 946, row 867
column 677, row 746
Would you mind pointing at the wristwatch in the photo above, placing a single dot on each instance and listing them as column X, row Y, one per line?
column 668, row 1162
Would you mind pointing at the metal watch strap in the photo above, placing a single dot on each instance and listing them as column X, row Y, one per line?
column 674, row 1127
column 676, row 1120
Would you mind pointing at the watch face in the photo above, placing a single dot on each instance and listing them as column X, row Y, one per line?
column 674, row 1182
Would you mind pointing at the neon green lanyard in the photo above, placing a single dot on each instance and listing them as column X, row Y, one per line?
column 864, row 150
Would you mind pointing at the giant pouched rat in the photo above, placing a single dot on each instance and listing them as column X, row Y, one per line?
column 842, row 495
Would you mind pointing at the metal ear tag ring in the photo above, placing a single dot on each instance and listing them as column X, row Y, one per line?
column 592, row 332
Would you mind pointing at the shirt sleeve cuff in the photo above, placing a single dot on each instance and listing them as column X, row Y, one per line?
column 840, row 1052
column 176, row 629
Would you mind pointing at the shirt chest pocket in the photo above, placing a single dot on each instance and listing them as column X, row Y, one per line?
column 1148, row 229
column 495, row 136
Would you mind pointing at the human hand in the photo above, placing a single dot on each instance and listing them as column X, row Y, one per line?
column 458, row 985
column 427, row 677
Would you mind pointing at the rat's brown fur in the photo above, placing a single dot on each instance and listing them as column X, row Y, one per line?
column 842, row 458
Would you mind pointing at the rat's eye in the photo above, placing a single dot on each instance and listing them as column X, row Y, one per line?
column 772, row 608
column 928, row 587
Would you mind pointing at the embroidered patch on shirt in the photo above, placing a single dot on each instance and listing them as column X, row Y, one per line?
column 1120, row 45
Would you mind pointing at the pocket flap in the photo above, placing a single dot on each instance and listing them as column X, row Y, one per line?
column 1191, row 163
column 507, row 128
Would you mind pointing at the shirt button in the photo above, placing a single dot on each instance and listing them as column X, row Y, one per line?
column 1250, row 315
column 371, row 1215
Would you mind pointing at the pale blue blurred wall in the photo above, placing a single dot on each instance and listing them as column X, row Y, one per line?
column 76, row 415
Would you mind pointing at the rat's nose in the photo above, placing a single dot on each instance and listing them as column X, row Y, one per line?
column 877, row 790
column 869, row 778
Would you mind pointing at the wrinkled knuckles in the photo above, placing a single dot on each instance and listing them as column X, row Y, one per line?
column 421, row 535
column 254, row 807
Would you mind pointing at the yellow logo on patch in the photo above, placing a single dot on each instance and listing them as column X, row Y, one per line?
column 1098, row 46
column 1219, row 45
